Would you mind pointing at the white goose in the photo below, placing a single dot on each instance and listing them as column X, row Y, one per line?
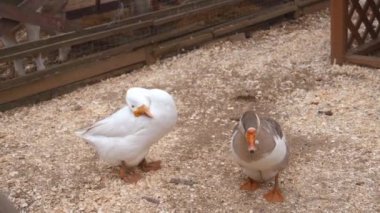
column 126, row 136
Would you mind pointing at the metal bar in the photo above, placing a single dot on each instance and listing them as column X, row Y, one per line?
column 338, row 30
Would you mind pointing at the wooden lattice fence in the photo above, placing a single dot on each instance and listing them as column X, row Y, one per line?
column 355, row 32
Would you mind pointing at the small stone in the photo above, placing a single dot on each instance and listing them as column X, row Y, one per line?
column 360, row 183
column 13, row 174
column 77, row 108
column 151, row 200
column 314, row 103
column 177, row 181
column 325, row 112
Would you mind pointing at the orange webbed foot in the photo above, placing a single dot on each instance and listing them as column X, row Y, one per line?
column 132, row 178
column 249, row 185
column 151, row 166
column 129, row 175
column 274, row 195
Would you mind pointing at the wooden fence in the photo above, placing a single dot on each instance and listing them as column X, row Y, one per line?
column 355, row 32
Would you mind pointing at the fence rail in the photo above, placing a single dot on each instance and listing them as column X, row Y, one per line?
column 151, row 36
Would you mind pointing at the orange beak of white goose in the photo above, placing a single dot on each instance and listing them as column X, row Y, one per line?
column 250, row 137
column 142, row 110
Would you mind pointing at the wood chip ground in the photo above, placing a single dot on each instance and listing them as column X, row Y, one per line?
column 284, row 72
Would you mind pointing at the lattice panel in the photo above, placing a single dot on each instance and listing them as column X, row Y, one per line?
column 363, row 21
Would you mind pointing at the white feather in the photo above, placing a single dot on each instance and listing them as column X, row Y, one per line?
column 124, row 137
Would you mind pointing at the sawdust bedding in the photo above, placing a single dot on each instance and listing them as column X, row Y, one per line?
column 331, row 116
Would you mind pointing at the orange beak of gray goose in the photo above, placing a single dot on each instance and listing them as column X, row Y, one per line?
column 250, row 137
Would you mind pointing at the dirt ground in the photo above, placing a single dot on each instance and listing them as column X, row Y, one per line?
column 330, row 114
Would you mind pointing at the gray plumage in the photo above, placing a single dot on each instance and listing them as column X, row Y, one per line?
column 6, row 206
column 272, row 152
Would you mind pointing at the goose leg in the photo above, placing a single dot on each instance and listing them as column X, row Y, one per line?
column 249, row 185
column 151, row 166
column 128, row 175
column 275, row 194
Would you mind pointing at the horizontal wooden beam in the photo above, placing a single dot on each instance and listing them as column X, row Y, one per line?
column 260, row 16
column 47, row 22
column 53, row 43
column 371, row 61
column 76, row 72
column 367, row 47
column 12, row 52
column 137, row 52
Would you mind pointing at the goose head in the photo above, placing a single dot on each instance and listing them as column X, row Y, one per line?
column 139, row 102
column 250, row 124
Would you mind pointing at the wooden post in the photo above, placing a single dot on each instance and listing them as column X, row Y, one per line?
column 97, row 4
column 338, row 11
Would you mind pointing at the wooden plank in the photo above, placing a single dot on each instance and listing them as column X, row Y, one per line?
column 67, row 76
column 315, row 6
column 165, row 20
column 260, row 16
column 305, row 3
column 49, row 94
column 45, row 45
column 338, row 11
column 90, row 9
column 10, row 53
column 371, row 61
column 114, row 51
column 47, row 22
column 72, row 72
column 181, row 43
column 367, row 47
column 68, row 39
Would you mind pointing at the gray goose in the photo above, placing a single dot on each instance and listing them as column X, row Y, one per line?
column 6, row 206
column 260, row 148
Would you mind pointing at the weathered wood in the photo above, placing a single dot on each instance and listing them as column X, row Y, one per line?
column 338, row 13
column 92, row 9
column 314, row 6
column 114, row 51
column 195, row 11
column 367, row 48
column 47, row 22
column 181, row 43
column 260, row 16
column 70, row 39
column 71, row 74
column 12, row 53
column 371, row 61
column 115, row 59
